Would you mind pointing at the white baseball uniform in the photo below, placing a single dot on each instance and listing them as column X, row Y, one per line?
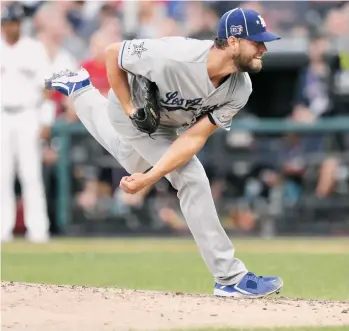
column 179, row 68
column 23, row 67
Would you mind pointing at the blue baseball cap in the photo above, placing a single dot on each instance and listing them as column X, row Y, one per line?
column 245, row 23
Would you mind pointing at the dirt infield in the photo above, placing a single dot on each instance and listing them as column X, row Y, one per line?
column 78, row 308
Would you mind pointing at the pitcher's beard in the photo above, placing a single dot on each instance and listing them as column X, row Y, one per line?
column 247, row 66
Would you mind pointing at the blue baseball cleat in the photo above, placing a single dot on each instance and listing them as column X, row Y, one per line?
column 67, row 82
column 250, row 286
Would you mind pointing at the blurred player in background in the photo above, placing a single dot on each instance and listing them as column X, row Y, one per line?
column 23, row 65
column 95, row 64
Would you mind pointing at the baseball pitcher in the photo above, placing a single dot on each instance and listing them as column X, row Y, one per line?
column 159, row 86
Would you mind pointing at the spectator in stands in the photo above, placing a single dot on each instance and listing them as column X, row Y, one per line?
column 150, row 17
column 169, row 27
column 133, row 208
column 285, row 17
column 208, row 24
column 154, row 207
column 95, row 64
column 106, row 13
column 57, row 11
column 51, row 150
column 337, row 27
column 194, row 23
column 291, row 157
column 52, row 31
column 112, row 28
column 75, row 15
column 336, row 22
column 313, row 96
column 313, row 100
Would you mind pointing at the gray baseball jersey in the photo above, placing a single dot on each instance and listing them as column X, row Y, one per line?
column 178, row 66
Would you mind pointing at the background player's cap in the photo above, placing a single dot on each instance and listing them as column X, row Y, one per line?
column 12, row 12
column 245, row 23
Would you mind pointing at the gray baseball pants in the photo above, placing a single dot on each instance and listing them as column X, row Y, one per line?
column 137, row 152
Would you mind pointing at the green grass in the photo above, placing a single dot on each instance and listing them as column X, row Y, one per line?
column 317, row 269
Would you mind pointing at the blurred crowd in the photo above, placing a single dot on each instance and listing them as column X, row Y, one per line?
column 75, row 33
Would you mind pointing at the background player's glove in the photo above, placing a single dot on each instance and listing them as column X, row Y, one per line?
column 147, row 118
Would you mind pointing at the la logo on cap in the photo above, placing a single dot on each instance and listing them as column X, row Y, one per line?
column 262, row 21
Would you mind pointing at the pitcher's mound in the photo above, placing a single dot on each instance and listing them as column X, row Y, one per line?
column 39, row 307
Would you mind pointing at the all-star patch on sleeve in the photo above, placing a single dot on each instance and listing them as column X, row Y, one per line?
column 137, row 56
column 144, row 56
column 223, row 116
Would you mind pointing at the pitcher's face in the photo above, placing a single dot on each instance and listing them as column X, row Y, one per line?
column 248, row 54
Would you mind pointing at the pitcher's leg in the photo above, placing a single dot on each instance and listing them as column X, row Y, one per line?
column 92, row 109
column 194, row 193
column 195, row 197
column 137, row 152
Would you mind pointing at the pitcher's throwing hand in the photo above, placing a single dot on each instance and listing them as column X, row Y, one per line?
column 135, row 183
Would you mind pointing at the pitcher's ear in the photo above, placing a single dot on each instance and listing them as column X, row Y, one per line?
column 233, row 41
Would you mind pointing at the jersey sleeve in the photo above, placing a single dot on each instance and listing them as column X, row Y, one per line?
column 141, row 56
column 223, row 115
